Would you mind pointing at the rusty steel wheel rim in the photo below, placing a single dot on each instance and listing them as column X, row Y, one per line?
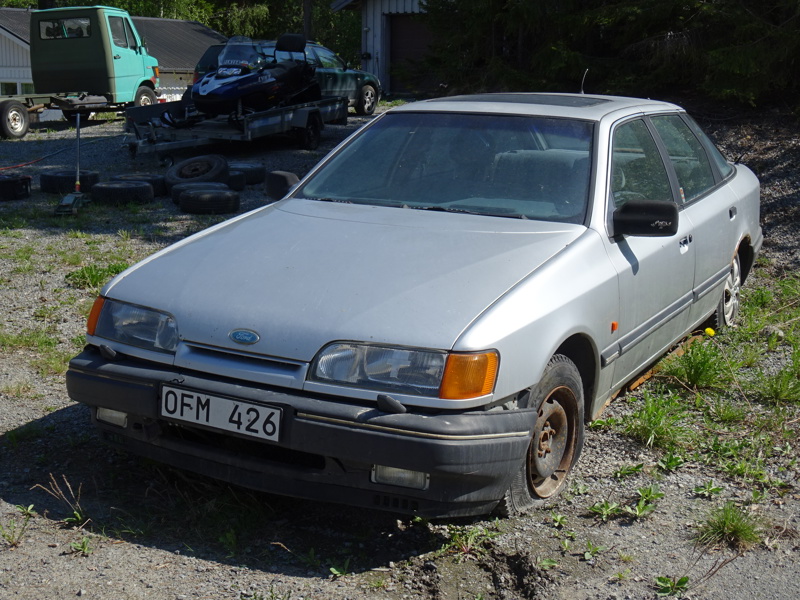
column 553, row 443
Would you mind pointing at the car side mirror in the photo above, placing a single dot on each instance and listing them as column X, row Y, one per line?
column 279, row 183
column 646, row 218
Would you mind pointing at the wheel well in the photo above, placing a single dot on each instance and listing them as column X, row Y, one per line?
column 580, row 351
column 746, row 257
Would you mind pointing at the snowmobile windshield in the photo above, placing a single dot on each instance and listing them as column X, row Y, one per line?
column 238, row 58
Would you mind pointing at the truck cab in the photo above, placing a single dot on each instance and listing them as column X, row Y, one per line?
column 94, row 51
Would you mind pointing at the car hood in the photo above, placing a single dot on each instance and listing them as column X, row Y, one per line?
column 303, row 273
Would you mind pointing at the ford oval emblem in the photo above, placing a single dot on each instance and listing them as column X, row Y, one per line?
column 244, row 336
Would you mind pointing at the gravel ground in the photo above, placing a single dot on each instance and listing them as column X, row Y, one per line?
column 163, row 535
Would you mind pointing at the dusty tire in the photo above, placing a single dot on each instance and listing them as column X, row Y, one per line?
column 728, row 306
column 14, row 119
column 157, row 181
column 367, row 100
column 308, row 137
column 557, row 437
column 144, row 96
column 179, row 188
column 209, row 202
column 255, row 173
column 122, row 192
column 237, row 180
column 63, row 182
column 211, row 167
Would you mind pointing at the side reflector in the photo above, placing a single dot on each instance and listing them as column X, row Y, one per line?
column 94, row 315
column 469, row 375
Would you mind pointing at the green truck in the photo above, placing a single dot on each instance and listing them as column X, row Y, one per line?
column 83, row 59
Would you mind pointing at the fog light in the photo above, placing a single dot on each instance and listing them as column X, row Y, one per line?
column 113, row 417
column 400, row 477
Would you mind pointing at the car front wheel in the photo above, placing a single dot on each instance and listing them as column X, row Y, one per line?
column 557, row 437
column 367, row 100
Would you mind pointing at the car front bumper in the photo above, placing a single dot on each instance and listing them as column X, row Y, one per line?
column 327, row 448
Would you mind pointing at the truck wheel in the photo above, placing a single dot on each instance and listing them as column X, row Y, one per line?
column 308, row 136
column 557, row 437
column 179, row 188
column 209, row 202
column 63, row 182
column 253, row 171
column 157, row 181
column 14, row 119
column 122, row 192
column 211, row 167
column 144, row 96
column 367, row 100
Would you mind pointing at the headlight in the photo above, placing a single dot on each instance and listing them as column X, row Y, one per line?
column 133, row 325
column 407, row 370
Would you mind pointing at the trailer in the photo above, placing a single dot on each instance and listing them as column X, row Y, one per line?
column 162, row 128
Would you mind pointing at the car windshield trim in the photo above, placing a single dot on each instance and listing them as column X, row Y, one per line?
column 494, row 165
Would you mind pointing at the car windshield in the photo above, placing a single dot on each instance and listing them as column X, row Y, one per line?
column 241, row 53
column 497, row 165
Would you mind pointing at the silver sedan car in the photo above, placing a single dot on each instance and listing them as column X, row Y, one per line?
column 429, row 333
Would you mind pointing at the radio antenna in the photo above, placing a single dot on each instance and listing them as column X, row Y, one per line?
column 583, row 79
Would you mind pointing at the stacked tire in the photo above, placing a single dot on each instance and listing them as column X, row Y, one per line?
column 199, row 185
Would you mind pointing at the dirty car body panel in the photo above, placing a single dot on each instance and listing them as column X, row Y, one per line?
column 428, row 336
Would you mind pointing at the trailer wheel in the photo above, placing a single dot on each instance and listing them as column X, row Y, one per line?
column 63, row 182
column 14, row 119
column 209, row 202
column 157, row 181
column 253, row 171
column 179, row 188
column 308, row 136
column 122, row 192
column 144, row 96
column 210, row 167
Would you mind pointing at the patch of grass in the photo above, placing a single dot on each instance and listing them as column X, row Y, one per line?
column 34, row 339
column 468, row 542
column 732, row 526
column 13, row 531
column 93, row 277
column 701, row 365
column 783, row 385
column 658, row 422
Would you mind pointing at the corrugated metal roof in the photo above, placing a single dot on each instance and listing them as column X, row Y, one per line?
column 17, row 22
column 177, row 45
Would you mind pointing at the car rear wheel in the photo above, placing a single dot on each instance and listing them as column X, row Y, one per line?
column 728, row 307
column 367, row 100
column 557, row 437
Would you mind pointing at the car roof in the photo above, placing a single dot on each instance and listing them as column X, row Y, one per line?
column 577, row 106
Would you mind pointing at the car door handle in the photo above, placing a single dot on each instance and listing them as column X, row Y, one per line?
column 684, row 244
column 732, row 212
column 117, row 57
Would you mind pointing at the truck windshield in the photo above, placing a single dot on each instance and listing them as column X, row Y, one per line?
column 526, row 167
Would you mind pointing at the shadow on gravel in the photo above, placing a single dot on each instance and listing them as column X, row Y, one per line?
column 60, row 466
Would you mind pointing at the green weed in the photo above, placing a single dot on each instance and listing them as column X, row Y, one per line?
column 730, row 525
column 667, row 586
column 92, row 277
column 658, row 423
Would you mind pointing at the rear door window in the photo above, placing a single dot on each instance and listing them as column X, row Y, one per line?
column 688, row 157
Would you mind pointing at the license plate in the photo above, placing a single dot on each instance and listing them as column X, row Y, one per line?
column 227, row 414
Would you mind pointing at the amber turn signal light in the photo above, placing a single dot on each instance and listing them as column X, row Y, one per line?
column 94, row 315
column 469, row 375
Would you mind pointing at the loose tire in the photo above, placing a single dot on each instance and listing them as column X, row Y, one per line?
column 557, row 437
column 63, row 182
column 211, row 167
column 237, row 180
column 157, row 181
column 144, row 96
column 122, row 192
column 728, row 307
column 367, row 100
column 209, row 202
column 14, row 119
column 179, row 188
column 308, row 137
column 254, row 172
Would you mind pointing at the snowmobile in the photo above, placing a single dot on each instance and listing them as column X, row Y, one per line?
column 247, row 80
